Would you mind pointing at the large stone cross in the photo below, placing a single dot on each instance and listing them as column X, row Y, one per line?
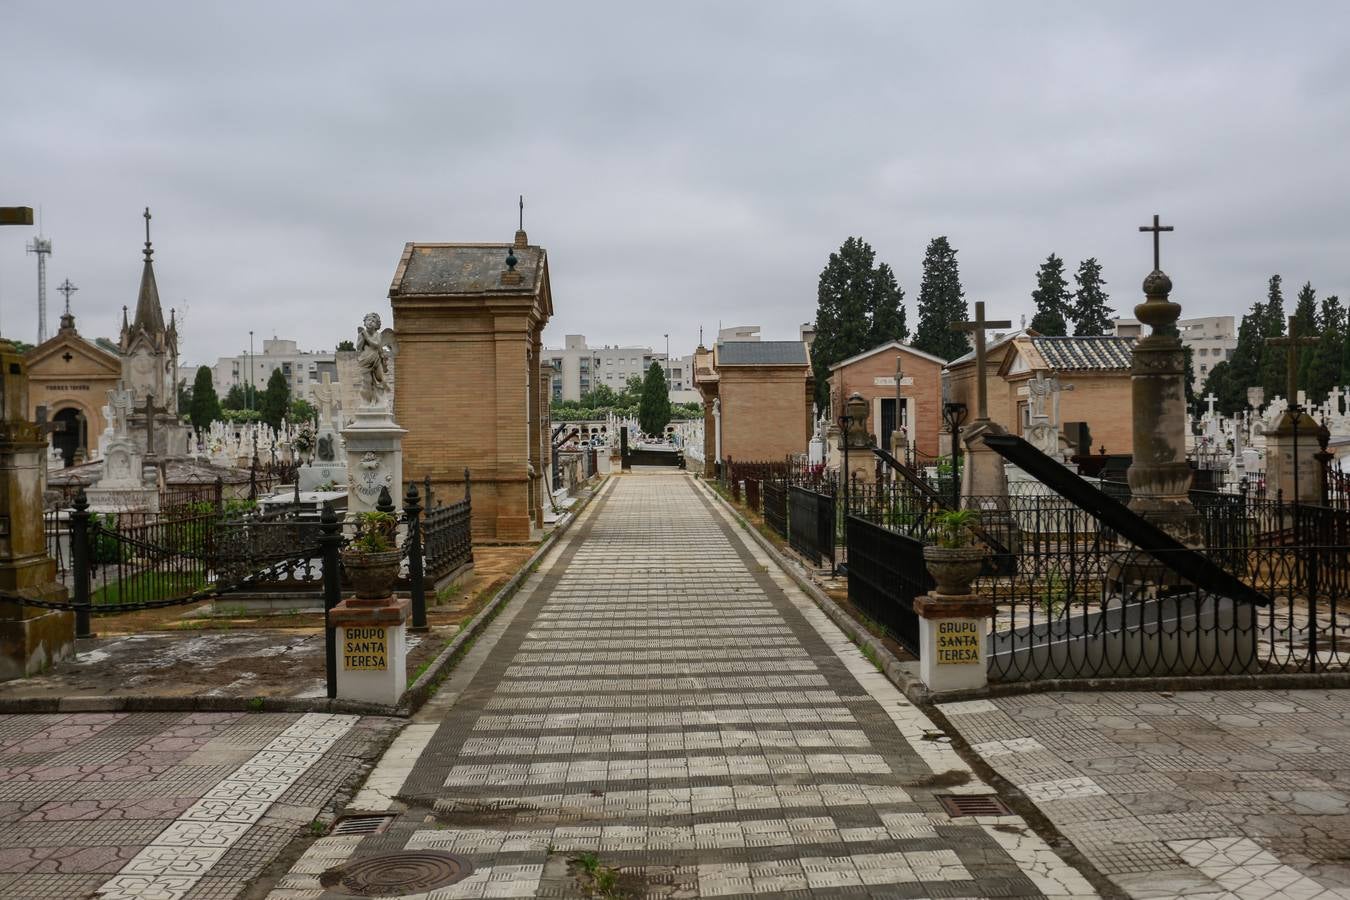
column 979, row 325
column 1293, row 342
column 1211, row 400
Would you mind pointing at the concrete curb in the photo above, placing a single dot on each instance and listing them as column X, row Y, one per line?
column 413, row 698
column 913, row 689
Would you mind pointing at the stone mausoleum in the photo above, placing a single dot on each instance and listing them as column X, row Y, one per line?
column 468, row 386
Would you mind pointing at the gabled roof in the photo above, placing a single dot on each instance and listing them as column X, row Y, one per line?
column 1066, row 354
column 969, row 355
column 762, row 353
column 891, row 346
column 68, row 338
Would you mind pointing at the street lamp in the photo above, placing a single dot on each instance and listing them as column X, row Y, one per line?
column 954, row 414
column 250, row 370
column 667, row 365
column 855, row 413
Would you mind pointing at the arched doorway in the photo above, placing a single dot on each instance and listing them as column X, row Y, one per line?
column 71, row 435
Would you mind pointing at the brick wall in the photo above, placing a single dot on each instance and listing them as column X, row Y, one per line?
column 766, row 411
column 923, row 397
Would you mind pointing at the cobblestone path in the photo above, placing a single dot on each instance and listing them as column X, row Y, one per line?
column 163, row 806
column 664, row 698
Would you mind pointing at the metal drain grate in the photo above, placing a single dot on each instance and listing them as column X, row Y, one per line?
column 371, row 823
column 973, row 805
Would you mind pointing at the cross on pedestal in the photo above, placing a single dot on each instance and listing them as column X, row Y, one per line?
column 149, row 413
column 979, row 325
column 1211, row 400
column 899, row 378
column 1157, row 230
column 1293, row 342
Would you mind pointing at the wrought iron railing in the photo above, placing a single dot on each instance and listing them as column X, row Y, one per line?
column 811, row 524
column 886, row 573
column 776, row 506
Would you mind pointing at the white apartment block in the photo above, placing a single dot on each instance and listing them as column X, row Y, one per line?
column 303, row 369
column 579, row 368
column 1211, row 338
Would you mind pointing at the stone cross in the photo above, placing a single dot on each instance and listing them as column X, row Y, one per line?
column 1210, row 400
column 1157, row 233
column 326, row 393
column 979, row 325
column 1293, row 342
column 149, row 417
column 899, row 391
column 1334, row 400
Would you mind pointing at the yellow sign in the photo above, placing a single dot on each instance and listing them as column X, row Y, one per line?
column 958, row 642
column 365, row 649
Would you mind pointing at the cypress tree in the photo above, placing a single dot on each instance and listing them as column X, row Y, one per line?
column 1217, row 382
column 941, row 303
column 858, row 305
column 1273, row 358
column 1091, row 314
column 654, row 410
column 1305, row 314
column 1244, row 367
column 1324, row 363
column 205, row 407
column 1051, row 297
column 276, row 399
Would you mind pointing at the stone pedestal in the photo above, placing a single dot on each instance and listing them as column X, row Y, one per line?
column 1292, row 468
column 31, row 638
column 982, row 472
column 953, row 641
column 374, row 458
column 372, row 643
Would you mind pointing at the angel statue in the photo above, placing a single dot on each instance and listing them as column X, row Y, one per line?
column 371, row 344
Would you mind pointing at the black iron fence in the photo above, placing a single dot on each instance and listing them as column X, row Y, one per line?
column 776, row 506
column 886, row 573
column 811, row 524
column 446, row 532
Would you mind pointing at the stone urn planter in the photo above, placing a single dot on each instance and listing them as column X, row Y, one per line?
column 954, row 568
column 371, row 561
column 371, row 575
column 956, row 559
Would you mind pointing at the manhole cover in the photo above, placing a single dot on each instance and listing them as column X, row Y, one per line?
column 973, row 805
column 396, row 874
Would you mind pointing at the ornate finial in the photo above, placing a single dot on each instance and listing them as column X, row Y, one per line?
column 67, row 288
column 522, row 241
column 149, row 251
column 511, row 259
column 1157, row 284
column 521, row 226
column 125, row 324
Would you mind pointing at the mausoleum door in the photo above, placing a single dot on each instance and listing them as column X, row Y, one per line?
column 888, row 423
column 68, row 438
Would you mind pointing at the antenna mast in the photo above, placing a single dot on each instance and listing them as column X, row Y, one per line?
column 43, row 248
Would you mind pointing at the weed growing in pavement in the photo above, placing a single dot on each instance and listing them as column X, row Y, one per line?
column 871, row 653
column 317, row 828
column 255, row 704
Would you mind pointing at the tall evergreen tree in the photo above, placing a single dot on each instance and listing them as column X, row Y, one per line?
column 1244, row 367
column 941, row 303
column 1218, row 382
column 276, row 399
column 654, row 410
column 858, row 305
column 1305, row 314
column 205, row 407
column 1324, row 368
column 1091, row 314
column 1051, row 297
column 1273, row 358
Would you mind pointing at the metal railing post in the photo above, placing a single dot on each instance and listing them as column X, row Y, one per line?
column 412, row 514
column 330, row 542
column 80, row 562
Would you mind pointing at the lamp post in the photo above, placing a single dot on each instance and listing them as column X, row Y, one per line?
column 954, row 414
column 250, row 370
column 667, row 365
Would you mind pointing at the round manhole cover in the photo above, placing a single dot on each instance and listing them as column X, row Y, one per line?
column 397, row 874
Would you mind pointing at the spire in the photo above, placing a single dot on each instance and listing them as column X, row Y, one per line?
column 522, row 241
column 149, row 315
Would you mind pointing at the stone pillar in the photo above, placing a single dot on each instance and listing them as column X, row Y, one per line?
column 1292, row 467
column 709, row 439
column 31, row 638
column 1159, row 475
column 982, row 470
column 953, row 641
column 372, row 643
column 374, row 444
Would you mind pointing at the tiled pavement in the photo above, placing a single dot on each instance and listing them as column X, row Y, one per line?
column 1232, row 794
column 662, row 696
column 162, row 806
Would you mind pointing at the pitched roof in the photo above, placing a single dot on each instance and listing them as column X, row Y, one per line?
column 889, row 345
column 761, row 353
column 990, row 344
column 1085, row 353
column 450, row 269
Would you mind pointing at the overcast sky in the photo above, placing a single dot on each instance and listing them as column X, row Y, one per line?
column 682, row 163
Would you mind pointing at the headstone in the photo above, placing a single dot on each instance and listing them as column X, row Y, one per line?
column 329, row 464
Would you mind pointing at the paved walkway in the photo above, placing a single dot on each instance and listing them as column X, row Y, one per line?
column 163, row 806
column 1226, row 794
column 662, row 701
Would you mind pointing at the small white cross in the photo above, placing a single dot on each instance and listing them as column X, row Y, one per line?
column 1211, row 400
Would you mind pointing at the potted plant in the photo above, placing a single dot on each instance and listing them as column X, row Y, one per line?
column 372, row 558
column 955, row 560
